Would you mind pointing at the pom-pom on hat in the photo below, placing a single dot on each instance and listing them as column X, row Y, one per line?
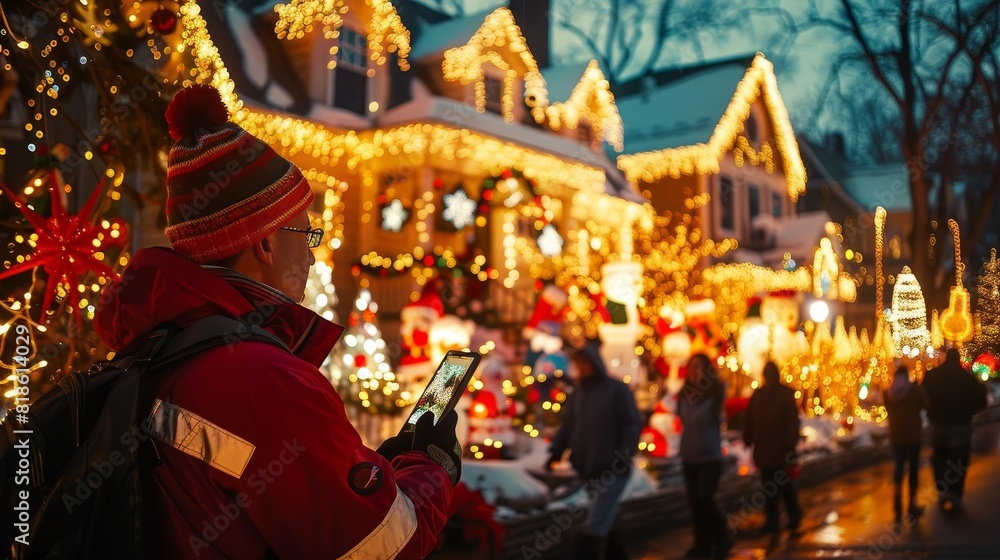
column 226, row 189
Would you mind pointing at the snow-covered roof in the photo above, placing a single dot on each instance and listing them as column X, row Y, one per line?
column 424, row 108
column 681, row 113
column 450, row 33
column 799, row 236
column 690, row 148
column 879, row 185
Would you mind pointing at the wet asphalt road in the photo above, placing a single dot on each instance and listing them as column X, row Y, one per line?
column 852, row 517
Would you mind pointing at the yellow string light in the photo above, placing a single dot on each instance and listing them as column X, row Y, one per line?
column 704, row 159
column 293, row 136
column 498, row 33
column 591, row 100
column 879, row 277
column 386, row 31
column 731, row 285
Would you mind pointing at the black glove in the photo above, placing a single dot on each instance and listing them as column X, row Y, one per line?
column 440, row 443
column 397, row 445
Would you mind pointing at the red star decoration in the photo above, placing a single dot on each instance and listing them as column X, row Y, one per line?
column 65, row 246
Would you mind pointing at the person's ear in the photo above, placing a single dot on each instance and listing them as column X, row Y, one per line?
column 264, row 251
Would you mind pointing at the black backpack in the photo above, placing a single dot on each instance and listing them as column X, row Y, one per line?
column 72, row 487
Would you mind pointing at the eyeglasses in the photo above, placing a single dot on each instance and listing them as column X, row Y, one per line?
column 314, row 236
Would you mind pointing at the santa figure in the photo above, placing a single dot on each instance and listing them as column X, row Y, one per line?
column 675, row 349
column 780, row 312
column 662, row 437
column 706, row 335
column 543, row 329
column 416, row 318
column 491, row 412
column 449, row 333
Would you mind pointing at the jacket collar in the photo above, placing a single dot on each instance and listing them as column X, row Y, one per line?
column 309, row 336
column 160, row 286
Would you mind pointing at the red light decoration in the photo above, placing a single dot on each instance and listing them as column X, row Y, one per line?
column 66, row 245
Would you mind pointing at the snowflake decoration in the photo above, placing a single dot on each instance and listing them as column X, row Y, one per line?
column 550, row 243
column 459, row 209
column 394, row 215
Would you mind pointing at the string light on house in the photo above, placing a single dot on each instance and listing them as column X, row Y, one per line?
column 291, row 136
column 386, row 32
column 465, row 64
column 759, row 83
column 591, row 100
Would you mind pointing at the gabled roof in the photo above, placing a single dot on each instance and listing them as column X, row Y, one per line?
column 498, row 35
column 435, row 38
column 689, row 152
column 591, row 99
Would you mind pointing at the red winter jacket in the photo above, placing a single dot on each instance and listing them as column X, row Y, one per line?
column 258, row 457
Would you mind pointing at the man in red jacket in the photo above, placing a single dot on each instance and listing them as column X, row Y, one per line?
column 257, row 458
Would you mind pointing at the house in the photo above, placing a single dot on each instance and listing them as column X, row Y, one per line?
column 436, row 146
column 715, row 140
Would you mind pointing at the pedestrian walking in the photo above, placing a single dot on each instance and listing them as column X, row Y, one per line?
column 699, row 407
column 953, row 397
column 772, row 428
column 601, row 428
column 903, row 403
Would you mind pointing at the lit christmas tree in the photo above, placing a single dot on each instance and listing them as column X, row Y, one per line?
column 321, row 297
column 988, row 335
column 361, row 358
column 909, row 315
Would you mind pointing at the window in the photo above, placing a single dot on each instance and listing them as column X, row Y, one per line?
column 494, row 93
column 776, row 205
column 352, row 48
column 727, row 204
column 754, row 201
column 350, row 79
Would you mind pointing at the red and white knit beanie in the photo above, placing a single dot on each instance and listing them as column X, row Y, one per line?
column 226, row 189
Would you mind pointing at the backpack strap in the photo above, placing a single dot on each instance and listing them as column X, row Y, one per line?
column 209, row 332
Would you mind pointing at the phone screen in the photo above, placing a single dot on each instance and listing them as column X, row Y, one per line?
column 442, row 387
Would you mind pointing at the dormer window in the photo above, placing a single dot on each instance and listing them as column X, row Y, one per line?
column 349, row 79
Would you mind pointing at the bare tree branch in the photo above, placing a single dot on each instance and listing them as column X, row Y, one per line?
column 863, row 42
column 659, row 35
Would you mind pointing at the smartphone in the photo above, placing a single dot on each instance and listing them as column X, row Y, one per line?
column 445, row 387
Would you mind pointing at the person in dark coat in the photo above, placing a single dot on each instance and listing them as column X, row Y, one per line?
column 601, row 425
column 772, row 428
column 953, row 397
column 903, row 402
column 699, row 407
